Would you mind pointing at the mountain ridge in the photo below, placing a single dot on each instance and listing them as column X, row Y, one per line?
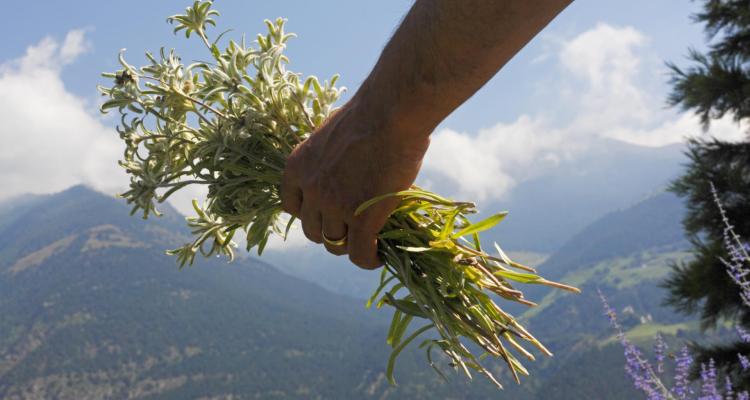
column 96, row 309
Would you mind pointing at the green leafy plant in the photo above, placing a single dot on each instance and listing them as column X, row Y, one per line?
column 231, row 122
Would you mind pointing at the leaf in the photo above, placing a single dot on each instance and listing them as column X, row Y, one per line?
column 480, row 226
column 414, row 192
column 415, row 249
column 406, row 307
column 396, row 351
column 380, row 288
column 289, row 226
column 398, row 333
column 518, row 276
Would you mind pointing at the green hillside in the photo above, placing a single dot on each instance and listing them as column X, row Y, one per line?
column 92, row 308
column 625, row 254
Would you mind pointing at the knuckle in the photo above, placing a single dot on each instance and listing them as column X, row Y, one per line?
column 288, row 205
column 335, row 211
column 291, row 168
column 336, row 250
column 314, row 238
column 309, row 187
column 363, row 261
column 312, row 235
column 329, row 194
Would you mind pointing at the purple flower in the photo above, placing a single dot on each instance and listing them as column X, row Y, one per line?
column 743, row 335
column 738, row 265
column 640, row 370
column 708, row 382
column 681, row 387
column 647, row 381
column 744, row 362
column 659, row 348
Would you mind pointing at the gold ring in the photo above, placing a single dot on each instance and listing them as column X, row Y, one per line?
column 338, row 242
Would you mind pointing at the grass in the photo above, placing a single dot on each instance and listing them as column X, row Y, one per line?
column 645, row 333
column 620, row 273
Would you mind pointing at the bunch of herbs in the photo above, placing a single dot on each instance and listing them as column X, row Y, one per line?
column 230, row 123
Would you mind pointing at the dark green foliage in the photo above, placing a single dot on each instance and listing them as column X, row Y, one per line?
column 712, row 87
column 731, row 20
column 702, row 285
column 725, row 357
column 717, row 84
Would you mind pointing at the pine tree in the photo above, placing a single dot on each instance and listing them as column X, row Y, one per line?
column 716, row 84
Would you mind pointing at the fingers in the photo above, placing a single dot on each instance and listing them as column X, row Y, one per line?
column 363, row 248
column 334, row 229
column 363, row 234
column 363, row 243
column 312, row 224
column 360, row 233
column 291, row 196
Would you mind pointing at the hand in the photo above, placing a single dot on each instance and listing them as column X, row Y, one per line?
column 353, row 157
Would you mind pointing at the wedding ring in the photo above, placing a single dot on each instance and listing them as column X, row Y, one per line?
column 338, row 242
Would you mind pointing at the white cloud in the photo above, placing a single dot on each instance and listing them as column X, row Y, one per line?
column 52, row 138
column 489, row 164
column 602, row 87
column 676, row 130
column 607, row 60
column 75, row 44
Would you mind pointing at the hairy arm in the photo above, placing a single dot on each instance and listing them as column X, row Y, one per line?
column 445, row 50
column 442, row 53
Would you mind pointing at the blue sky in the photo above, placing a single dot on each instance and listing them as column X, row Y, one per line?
column 334, row 37
column 596, row 72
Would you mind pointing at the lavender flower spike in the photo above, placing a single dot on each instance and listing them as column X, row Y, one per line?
column 660, row 346
column 744, row 362
column 681, row 388
column 708, row 382
column 743, row 334
column 738, row 265
column 639, row 369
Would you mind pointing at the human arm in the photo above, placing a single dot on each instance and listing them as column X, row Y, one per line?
column 441, row 54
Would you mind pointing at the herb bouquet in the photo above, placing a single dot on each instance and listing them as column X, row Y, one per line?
column 230, row 124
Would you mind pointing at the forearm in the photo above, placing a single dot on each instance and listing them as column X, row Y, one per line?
column 443, row 52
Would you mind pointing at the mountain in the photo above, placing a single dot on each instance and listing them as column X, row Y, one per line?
column 91, row 308
column 625, row 255
column 547, row 211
